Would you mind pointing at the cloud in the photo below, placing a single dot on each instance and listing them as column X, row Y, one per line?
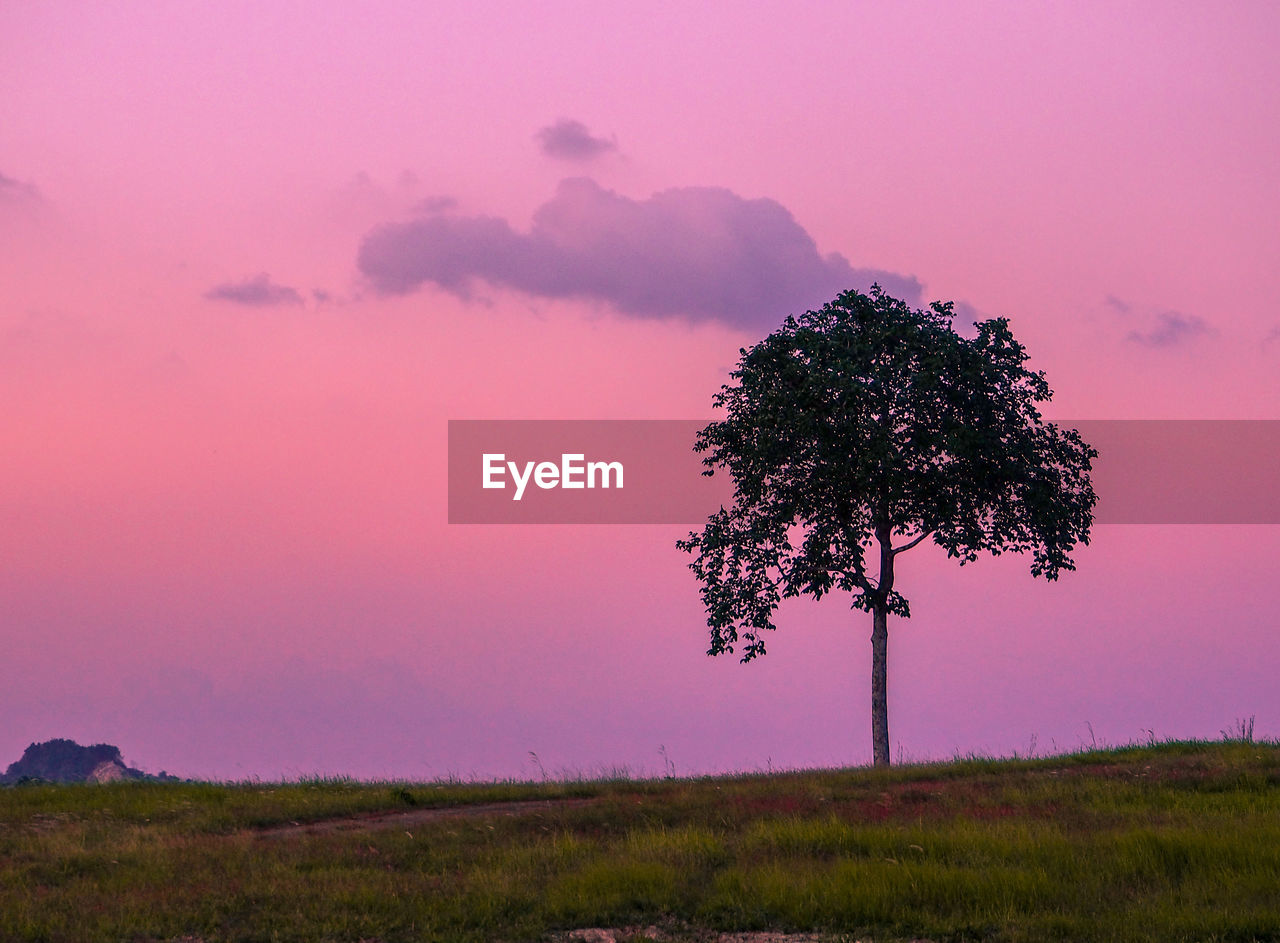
column 15, row 191
column 702, row 253
column 1119, row 305
column 435, row 204
column 570, row 140
column 22, row 201
column 1171, row 329
column 258, row 291
column 362, row 201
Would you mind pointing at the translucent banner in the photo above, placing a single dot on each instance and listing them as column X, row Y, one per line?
column 644, row 471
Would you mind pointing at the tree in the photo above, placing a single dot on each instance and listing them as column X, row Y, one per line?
column 856, row 432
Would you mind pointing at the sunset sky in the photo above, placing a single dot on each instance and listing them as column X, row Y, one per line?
column 254, row 256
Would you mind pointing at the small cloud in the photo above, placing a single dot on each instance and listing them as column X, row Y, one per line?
column 570, row 140
column 1172, row 328
column 701, row 253
column 1119, row 305
column 15, row 191
column 361, row 186
column 362, row 200
column 435, row 204
column 258, row 291
column 23, row 201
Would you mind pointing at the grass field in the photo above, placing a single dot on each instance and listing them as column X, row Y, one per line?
column 1170, row 842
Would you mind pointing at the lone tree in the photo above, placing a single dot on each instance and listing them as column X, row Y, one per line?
column 855, row 433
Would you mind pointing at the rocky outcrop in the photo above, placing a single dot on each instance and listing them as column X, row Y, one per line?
column 65, row 761
column 108, row 772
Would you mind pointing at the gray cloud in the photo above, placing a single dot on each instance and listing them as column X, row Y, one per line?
column 570, row 140
column 1171, row 329
column 1119, row 305
column 435, row 204
column 23, row 203
column 15, row 191
column 702, row 253
column 258, row 291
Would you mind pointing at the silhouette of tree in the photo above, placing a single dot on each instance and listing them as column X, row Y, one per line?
column 858, row 431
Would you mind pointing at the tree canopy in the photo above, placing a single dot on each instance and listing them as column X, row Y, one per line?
column 870, row 425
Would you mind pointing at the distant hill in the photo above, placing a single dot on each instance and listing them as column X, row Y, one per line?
column 65, row 761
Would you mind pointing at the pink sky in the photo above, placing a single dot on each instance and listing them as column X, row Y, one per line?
column 223, row 543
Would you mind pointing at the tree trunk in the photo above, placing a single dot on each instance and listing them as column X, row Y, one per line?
column 879, row 698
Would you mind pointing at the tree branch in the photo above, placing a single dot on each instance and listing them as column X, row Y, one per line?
column 912, row 543
column 849, row 533
column 863, row 581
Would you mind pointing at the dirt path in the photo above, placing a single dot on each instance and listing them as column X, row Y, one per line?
column 614, row 934
column 406, row 818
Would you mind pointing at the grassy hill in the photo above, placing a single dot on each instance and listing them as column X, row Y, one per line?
column 1176, row 841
